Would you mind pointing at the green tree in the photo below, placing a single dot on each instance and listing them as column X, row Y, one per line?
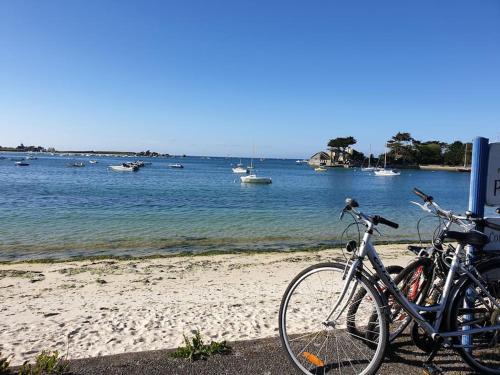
column 430, row 152
column 401, row 147
column 341, row 143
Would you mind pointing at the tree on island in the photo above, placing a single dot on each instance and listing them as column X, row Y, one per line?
column 340, row 147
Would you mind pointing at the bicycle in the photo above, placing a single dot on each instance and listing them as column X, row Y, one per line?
column 313, row 321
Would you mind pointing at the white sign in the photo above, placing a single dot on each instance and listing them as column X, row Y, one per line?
column 493, row 179
column 493, row 235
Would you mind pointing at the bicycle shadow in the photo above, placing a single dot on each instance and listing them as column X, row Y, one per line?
column 404, row 351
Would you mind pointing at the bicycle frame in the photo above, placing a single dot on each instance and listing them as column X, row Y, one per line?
column 414, row 310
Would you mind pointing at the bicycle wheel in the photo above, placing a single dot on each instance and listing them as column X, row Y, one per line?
column 414, row 281
column 481, row 311
column 352, row 325
column 315, row 346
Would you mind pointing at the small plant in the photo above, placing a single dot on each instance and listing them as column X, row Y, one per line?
column 4, row 365
column 46, row 363
column 195, row 349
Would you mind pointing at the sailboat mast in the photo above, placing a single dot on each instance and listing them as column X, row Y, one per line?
column 465, row 156
column 385, row 158
column 370, row 157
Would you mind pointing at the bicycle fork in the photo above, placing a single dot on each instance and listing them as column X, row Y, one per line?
column 350, row 276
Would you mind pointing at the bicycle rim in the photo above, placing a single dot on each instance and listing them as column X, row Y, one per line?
column 318, row 348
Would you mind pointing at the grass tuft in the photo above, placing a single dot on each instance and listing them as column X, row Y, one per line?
column 46, row 363
column 4, row 365
column 196, row 349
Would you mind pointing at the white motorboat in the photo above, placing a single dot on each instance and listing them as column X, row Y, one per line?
column 125, row 167
column 21, row 164
column 320, row 169
column 384, row 172
column 93, row 161
column 254, row 179
column 76, row 165
column 240, row 169
column 176, row 165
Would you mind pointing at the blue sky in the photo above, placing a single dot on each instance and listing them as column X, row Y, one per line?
column 213, row 77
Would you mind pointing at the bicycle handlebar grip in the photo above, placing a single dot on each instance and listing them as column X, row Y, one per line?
column 421, row 194
column 379, row 219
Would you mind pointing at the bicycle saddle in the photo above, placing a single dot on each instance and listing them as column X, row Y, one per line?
column 473, row 238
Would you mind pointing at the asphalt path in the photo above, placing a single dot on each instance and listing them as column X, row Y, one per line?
column 264, row 357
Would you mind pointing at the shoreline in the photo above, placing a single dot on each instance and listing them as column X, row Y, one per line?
column 109, row 306
column 311, row 249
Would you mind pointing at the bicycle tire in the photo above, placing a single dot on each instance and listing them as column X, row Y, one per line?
column 375, row 360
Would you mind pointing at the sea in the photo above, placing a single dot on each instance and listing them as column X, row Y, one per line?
column 51, row 211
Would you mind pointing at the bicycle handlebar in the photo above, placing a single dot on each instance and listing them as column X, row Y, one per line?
column 421, row 194
column 379, row 219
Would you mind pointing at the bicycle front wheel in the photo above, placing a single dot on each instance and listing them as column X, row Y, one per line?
column 317, row 345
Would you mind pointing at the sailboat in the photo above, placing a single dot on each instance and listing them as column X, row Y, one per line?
column 384, row 172
column 369, row 168
column 253, row 178
column 239, row 168
column 465, row 167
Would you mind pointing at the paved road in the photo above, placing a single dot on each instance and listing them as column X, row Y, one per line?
column 263, row 357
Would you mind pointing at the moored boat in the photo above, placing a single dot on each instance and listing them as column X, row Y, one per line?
column 176, row 165
column 384, row 172
column 22, row 164
column 254, row 179
column 125, row 167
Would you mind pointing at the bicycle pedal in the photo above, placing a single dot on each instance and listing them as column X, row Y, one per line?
column 431, row 369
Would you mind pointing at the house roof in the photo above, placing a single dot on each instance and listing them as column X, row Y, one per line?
column 321, row 155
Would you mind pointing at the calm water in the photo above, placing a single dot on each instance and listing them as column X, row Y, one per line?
column 50, row 210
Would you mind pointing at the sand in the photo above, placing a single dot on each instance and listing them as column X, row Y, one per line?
column 93, row 308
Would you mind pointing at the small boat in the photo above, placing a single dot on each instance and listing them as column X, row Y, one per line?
column 240, row 169
column 22, row 164
column 369, row 168
column 254, row 179
column 125, row 167
column 93, row 161
column 384, row 172
column 320, row 169
column 76, row 165
column 176, row 165
column 30, row 158
column 465, row 168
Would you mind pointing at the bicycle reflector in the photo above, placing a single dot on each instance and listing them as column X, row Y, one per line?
column 351, row 246
column 313, row 359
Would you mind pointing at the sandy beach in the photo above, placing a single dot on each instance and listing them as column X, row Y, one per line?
column 98, row 307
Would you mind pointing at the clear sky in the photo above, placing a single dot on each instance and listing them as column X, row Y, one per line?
column 213, row 77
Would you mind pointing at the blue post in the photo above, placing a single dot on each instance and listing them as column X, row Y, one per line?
column 479, row 172
column 477, row 200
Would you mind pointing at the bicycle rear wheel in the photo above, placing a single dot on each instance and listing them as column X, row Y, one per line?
column 484, row 352
column 315, row 346
column 352, row 324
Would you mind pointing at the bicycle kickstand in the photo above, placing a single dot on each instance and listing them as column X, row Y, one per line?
column 429, row 367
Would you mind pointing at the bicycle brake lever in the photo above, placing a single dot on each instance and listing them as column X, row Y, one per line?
column 342, row 215
column 424, row 206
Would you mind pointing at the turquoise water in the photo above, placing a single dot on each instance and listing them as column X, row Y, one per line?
column 48, row 210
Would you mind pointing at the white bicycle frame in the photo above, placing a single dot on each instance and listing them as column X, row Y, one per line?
column 367, row 250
